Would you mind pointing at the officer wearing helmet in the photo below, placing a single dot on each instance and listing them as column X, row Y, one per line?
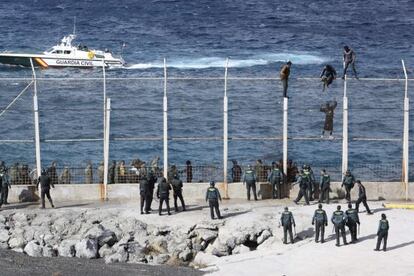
column 348, row 182
column 45, row 183
column 213, row 197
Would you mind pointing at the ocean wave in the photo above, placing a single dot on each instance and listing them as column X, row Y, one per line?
column 216, row 62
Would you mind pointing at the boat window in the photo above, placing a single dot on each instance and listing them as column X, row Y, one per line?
column 99, row 56
column 58, row 51
column 67, row 52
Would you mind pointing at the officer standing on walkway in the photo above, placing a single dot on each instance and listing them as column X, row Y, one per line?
column 348, row 182
column 309, row 177
column 177, row 186
column 144, row 192
column 249, row 179
column 152, row 179
column 362, row 197
column 303, row 187
column 276, row 179
column 338, row 219
column 287, row 221
column 382, row 232
column 163, row 193
column 352, row 219
column 320, row 220
column 213, row 196
column 325, row 185
column 4, row 186
column 45, row 183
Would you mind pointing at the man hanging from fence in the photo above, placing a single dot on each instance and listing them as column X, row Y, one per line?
column 349, row 59
column 88, row 173
column 284, row 77
column 327, row 76
column 328, row 108
column 249, row 179
column 276, row 179
column 348, row 182
column 236, row 172
column 52, row 172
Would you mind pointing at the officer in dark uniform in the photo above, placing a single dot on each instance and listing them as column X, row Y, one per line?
column 348, row 182
column 352, row 219
column 382, row 232
column 45, row 183
column 4, row 186
column 303, row 187
column 152, row 179
column 144, row 192
column 338, row 219
column 213, row 197
column 325, row 185
column 321, row 220
column 163, row 193
column 249, row 179
column 177, row 186
column 309, row 177
column 362, row 197
column 287, row 221
column 276, row 178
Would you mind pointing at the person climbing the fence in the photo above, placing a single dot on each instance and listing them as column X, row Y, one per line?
column 349, row 59
column 329, row 109
column 284, row 77
column 327, row 76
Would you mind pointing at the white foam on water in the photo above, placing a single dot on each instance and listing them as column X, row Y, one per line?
column 216, row 62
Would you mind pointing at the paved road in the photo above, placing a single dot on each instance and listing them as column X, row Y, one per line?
column 16, row 264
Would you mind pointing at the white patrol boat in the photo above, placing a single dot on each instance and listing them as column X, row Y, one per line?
column 64, row 55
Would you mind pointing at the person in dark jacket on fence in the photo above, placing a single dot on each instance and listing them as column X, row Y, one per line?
column 163, row 193
column 236, row 172
column 287, row 221
column 45, row 184
column 276, row 179
column 348, row 182
column 327, row 76
column 320, row 220
column 382, row 233
column 111, row 172
column 338, row 219
column 362, row 197
column 284, row 77
column 325, row 185
column 328, row 108
column 189, row 171
column 213, row 196
column 88, row 173
column 249, row 179
column 51, row 171
column 177, row 186
column 303, row 188
column 352, row 219
column 349, row 59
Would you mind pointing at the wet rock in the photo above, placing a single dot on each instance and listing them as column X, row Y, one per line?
column 87, row 248
column 67, row 248
column 33, row 249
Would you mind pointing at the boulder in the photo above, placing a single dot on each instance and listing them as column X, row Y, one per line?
column 33, row 249
column 2, row 220
column 107, row 237
column 161, row 259
column 48, row 251
column 263, row 236
column 204, row 259
column 4, row 245
column 158, row 245
column 105, row 250
column 4, row 236
column 136, row 253
column 121, row 256
column 240, row 249
column 186, row 255
column 87, row 248
column 17, row 242
column 67, row 248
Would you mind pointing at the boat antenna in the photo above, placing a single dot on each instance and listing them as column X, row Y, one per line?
column 74, row 25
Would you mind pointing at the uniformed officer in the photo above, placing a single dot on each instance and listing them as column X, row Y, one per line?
column 163, row 193
column 348, row 182
column 287, row 221
column 303, row 186
column 177, row 186
column 352, row 219
column 276, row 179
column 152, row 179
column 320, row 220
column 4, row 186
column 213, row 197
column 382, row 232
column 310, row 178
column 144, row 193
column 362, row 197
column 249, row 179
column 338, row 219
column 45, row 183
column 325, row 185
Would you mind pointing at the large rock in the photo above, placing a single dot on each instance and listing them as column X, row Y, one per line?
column 4, row 236
column 105, row 250
column 204, row 259
column 17, row 242
column 161, row 259
column 107, row 237
column 121, row 256
column 264, row 236
column 4, row 245
column 206, row 235
column 87, row 248
column 186, row 255
column 240, row 249
column 158, row 245
column 136, row 253
column 48, row 251
column 218, row 249
column 33, row 249
column 2, row 220
column 67, row 248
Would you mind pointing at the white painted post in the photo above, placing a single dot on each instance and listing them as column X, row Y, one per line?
column 106, row 146
column 285, row 134
column 225, row 132
column 104, row 100
column 36, row 123
column 405, row 167
column 165, row 110
column 345, row 130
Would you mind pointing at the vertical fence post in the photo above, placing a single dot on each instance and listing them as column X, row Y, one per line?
column 345, row 130
column 285, row 134
column 225, row 132
column 165, row 127
column 106, row 146
column 105, row 192
column 405, row 167
column 36, row 122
